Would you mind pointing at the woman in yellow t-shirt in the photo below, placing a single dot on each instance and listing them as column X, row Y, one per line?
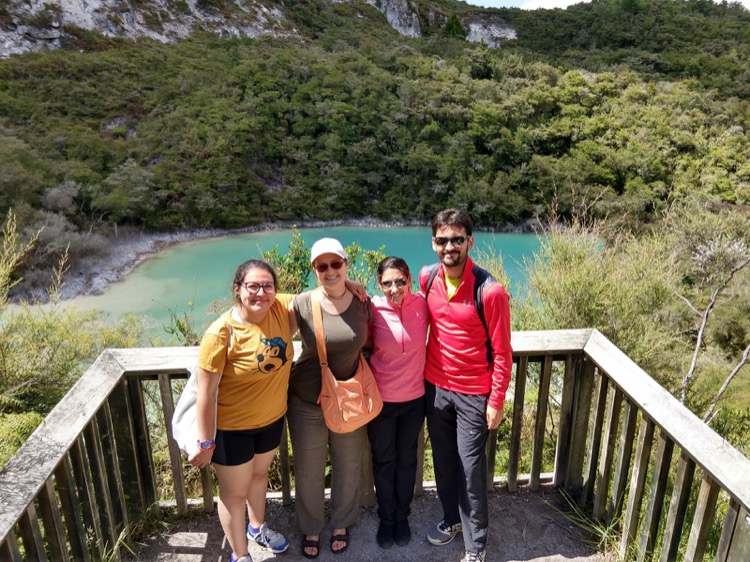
column 249, row 349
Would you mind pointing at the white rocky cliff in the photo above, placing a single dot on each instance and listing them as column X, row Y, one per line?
column 38, row 25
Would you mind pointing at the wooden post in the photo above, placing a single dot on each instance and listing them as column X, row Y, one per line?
column 584, row 385
column 540, row 424
column 677, row 509
column 87, row 497
column 514, row 454
column 655, row 496
column 32, row 536
column 614, row 403
column 637, row 484
column 286, row 467
column 143, row 444
column 727, row 534
column 71, row 508
column 52, row 521
column 175, row 457
column 702, row 520
column 562, row 450
column 104, row 509
column 123, row 428
column 112, row 468
column 9, row 549
column 595, row 441
column 624, row 454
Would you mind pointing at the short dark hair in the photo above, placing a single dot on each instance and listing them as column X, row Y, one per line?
column 393, row 262
column 453, row 217
column 244, row 267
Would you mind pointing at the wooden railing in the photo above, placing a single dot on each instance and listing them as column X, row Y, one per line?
column 583, row 415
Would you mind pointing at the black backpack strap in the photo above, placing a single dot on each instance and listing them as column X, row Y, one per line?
column 433, row 269
column 482, row 279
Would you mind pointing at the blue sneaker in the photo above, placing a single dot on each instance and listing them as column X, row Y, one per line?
column 268, row 539
column 245, row 558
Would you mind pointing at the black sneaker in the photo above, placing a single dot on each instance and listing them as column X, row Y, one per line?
column 402, row 533
column 385, row 535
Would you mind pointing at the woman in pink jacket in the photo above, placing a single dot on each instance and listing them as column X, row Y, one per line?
column 399, row 333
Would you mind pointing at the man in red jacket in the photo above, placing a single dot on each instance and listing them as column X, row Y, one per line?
column 469, row 362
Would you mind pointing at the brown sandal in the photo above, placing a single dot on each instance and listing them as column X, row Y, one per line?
column 344, row 538
column 310, row 543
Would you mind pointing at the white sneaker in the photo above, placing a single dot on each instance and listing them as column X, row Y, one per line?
column 473, row 556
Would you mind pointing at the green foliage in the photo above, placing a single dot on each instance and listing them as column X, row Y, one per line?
column 363, row 264
column 359, row 121
column 293, row 268
column 649, row 294
column 454, row 27
column 14, row 430
column 181, row 326
column 44, row 348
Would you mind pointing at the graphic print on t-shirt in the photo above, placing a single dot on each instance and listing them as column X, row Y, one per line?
column 273, row 355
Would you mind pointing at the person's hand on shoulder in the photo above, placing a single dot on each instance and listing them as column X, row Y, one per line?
column 357, row 289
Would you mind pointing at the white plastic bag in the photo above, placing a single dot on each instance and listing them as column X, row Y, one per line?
column 185, row 417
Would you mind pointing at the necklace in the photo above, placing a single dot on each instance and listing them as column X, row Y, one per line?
column 337, row 298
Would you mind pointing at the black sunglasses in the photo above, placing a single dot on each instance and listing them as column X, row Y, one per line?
column 455, row 240
column 323, row 267
column 398, row 282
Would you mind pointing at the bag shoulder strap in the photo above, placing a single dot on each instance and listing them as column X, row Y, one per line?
column 320, row 338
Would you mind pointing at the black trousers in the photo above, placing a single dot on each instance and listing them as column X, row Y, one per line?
column 394, row 436
column 458, row 432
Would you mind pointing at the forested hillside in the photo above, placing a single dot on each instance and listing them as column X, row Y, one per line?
column 621, row 107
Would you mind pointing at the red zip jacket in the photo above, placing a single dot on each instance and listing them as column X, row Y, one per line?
column 456, row 347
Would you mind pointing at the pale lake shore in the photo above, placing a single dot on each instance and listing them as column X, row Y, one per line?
column 127, row 251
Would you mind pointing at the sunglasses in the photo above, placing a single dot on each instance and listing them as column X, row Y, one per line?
column 323, row 267
column 455, row 240
column 398, row 282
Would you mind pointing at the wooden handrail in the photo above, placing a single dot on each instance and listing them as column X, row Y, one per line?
column 88, row 470
column 726, row 465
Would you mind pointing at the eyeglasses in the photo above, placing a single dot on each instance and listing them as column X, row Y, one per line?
column 455, row 240
column 323, row 267
column 398, row 282
column 255, row 287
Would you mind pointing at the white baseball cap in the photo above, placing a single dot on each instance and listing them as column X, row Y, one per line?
column 327, row 246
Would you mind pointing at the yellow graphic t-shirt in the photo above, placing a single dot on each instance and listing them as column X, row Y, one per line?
column 255, row 361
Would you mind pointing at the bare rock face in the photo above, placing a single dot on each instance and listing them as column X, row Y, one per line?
column 489, row 30
column 37, row 25
column 400, row 15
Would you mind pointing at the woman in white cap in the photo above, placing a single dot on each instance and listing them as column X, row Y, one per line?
column 345, row 320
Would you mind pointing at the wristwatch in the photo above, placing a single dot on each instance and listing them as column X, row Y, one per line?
column 207, row 445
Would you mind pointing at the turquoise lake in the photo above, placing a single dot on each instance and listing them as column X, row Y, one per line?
column 201, row 272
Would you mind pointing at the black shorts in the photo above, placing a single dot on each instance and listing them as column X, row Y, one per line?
column 238, row 447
